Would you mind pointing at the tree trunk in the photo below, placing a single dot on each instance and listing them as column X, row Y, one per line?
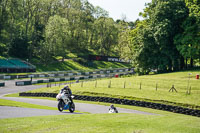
column 182, row 63
column 191, row 62
column 186, row 66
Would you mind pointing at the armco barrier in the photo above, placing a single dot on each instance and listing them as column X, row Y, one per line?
column 21, row 83
column 65, row 73
column 170, row 108
column 2, row 84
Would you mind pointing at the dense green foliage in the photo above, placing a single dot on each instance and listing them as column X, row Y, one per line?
column 167, row 39
column 50, row 28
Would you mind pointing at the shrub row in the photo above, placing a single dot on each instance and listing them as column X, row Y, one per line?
column 175, row 109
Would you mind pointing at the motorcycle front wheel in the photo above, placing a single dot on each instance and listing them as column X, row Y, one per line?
column 72, row 107
column 61, row 105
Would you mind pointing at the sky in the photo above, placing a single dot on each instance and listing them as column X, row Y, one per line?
column 119, row 8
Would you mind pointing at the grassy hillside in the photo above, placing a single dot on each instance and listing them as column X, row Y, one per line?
column 143, row 88
column 75, row 63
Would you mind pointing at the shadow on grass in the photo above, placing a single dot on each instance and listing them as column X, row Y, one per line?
column 72, row 65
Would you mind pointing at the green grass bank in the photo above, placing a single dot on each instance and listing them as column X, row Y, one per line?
column 153, row 88
column 103, row 123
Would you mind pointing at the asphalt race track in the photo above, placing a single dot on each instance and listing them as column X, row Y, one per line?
column 13, row 112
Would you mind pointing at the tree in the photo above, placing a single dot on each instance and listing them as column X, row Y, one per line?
column 58, row 36
column 194, row 15
column 106, row 35
column 187, row 42
column 153, row 39
column 145, row 51
column 19, row 47
column 123, row 49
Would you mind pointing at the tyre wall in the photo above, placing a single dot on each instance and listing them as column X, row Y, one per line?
column 170, row 108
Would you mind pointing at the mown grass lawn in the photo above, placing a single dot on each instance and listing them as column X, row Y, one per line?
column 103, row 123
column 4, row 102
column 163, row 122
column 142, row 88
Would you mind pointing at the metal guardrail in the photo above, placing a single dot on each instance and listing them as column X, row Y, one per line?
column 77, row 77
column 65, row 73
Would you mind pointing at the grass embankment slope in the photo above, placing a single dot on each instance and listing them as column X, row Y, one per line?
column 143, row 88
column 75, row 62
column 73, row 65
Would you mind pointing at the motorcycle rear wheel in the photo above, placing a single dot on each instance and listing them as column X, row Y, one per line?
column 72, row 107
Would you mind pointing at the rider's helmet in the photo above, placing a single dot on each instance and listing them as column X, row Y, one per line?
column 112, row 106
column 66, row 87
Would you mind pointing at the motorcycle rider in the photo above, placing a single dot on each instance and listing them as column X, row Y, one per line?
column 113, row 108
column 68, row 91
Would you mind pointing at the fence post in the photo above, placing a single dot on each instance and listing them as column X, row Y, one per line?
column 96, row 84
column 124, row 84
column 190, row 90
column 109, row 84
column 156, row 86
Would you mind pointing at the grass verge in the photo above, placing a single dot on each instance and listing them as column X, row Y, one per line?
column 166, row 122
column 103, row 123
column 4, row 102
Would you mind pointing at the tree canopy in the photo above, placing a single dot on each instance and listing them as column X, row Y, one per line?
column 167, row 38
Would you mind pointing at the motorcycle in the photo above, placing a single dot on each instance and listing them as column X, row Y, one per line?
column 65, row 103
column 112, row 109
